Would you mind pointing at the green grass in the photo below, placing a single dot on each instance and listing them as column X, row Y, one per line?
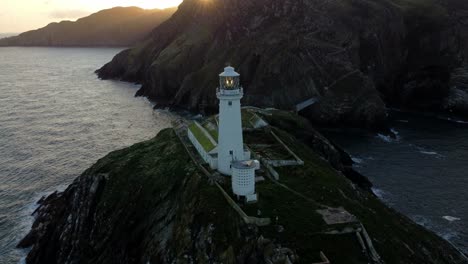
column 201, row 137
column 212, row 128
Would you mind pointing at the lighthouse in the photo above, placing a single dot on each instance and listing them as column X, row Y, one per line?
column 230, row 140
column 227, row 155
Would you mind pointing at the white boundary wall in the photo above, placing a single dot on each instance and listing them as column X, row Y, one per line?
column 213, row 162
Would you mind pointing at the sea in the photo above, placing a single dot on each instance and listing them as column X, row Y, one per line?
column 57, row 119
column 421, row 171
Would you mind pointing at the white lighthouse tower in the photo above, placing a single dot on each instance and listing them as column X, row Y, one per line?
column 228, row 156
column 230, row 141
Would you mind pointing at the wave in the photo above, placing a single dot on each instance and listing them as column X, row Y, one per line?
column 390, row 138
column 422, row 221
column 454, row 120
column 378, row 192
column 428, row 152
column 356, row 160
column 385, row 138
column 28, row 214
column 450, row 218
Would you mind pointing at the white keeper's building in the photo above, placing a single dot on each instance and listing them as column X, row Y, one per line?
column 228, row 155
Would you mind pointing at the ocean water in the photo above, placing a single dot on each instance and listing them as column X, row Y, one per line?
column 422, row 172
column 56, row 120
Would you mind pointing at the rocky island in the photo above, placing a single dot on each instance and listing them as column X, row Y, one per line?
column 153, row 203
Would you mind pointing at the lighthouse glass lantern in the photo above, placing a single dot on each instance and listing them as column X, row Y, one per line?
column 229, row 79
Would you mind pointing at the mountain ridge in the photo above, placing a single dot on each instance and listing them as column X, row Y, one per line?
column 118, row 26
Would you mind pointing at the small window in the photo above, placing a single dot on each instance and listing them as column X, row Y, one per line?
column 230, row 103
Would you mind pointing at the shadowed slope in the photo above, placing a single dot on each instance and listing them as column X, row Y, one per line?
column 351, row 55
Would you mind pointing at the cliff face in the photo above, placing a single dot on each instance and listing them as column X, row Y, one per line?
column 149, row 204
column 120, row 26
column 144, row 204
column 351, row 55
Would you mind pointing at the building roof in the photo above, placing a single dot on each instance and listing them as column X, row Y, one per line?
column 202, row 137
column 245, row 164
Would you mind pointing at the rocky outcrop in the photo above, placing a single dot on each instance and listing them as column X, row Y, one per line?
column 351, row 55
column 457, row 99
column 143, row 204
column 119, row 26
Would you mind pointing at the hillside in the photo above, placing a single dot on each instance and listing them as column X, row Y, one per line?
column 119, row 26
column 151, row 203
column 355, row 57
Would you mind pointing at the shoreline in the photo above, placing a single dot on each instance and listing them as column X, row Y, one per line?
column 362, row 158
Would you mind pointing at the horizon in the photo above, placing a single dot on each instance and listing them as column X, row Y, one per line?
column 18, row 16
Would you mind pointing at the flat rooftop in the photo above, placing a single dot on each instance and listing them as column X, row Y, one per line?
column 244, row 164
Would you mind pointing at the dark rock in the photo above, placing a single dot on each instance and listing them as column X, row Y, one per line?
column 457, row 100
column 353, row 55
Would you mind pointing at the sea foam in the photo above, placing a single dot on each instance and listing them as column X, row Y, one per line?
column 451, row 218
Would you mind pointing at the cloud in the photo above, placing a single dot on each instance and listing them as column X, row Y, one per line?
column 68, row 14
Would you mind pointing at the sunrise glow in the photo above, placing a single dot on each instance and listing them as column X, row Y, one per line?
column 22, row 15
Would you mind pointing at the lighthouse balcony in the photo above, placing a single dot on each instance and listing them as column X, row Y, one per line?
column 223, row 92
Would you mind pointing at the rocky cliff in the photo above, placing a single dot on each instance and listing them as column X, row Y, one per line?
column 150, row 203
column 354, row 56
column 119, row 26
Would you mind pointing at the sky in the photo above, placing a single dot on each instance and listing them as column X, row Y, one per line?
column 17, row 16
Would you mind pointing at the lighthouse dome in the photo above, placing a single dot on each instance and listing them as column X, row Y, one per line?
column 229, row 72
